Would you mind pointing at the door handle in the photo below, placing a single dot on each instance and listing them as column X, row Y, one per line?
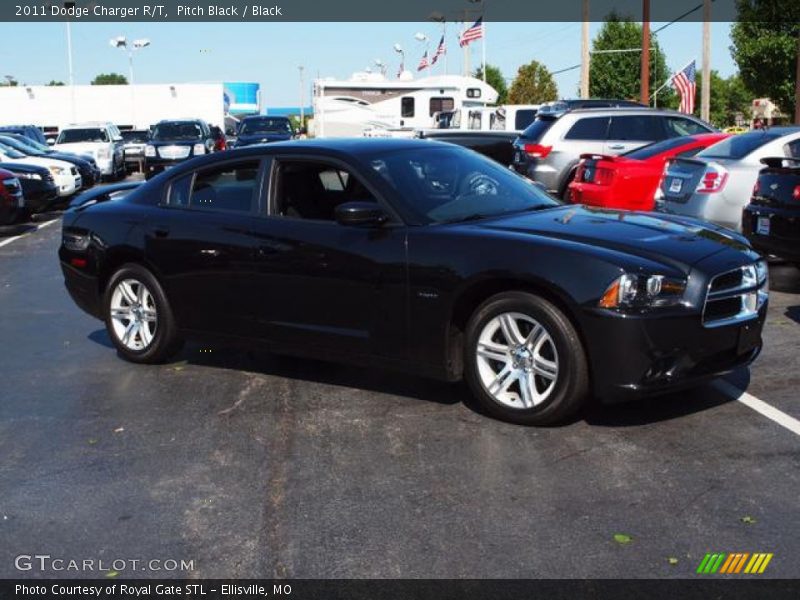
column 210, row 252
column 617, row 146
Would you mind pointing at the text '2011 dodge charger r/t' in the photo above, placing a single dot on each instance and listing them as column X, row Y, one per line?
column 422, row 256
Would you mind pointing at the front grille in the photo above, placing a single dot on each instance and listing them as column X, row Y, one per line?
column 173, row 152
column 73, row 170
column 734, row 296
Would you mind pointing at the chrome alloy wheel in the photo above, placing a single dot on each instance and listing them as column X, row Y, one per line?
column 517, row 360
column 133, row 314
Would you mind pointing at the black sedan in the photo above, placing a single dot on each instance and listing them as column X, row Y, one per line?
column 38, row 186
column 421, row 256
column 772, row 219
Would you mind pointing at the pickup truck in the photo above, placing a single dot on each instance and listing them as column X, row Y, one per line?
column 497, row 145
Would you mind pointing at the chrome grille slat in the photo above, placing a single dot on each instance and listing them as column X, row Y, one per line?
column 733, row 296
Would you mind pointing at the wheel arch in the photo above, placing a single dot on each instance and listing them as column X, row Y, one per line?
column 117, row 257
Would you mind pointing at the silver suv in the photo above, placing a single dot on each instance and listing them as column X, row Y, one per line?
column 549, row 150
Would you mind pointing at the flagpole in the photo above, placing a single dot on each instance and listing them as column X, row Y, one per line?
column 483, row 51
column 667, row 82
column 444, row 36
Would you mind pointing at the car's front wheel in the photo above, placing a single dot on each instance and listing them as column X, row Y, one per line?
column 524, row 360
column 139, row 319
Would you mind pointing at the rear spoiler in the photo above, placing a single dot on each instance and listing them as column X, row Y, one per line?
column 102, row 194
column 596, row 156
column 777, row 162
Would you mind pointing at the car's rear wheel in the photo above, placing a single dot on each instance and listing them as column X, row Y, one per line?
column 139, row 319
column 524, row 360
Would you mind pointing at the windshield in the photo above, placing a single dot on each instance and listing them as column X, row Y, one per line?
column 10, row 152
column 739, row 146
column 266, row 125
column 72, row 136
column 132, row 136
column 443, row 185
column 538, row 128
column 177, row 131
column 21, row 146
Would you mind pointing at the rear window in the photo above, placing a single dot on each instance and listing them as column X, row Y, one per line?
column 652, row 150
column 593, row 128
column 739, row 146
column 524, row 118
column 538, row 128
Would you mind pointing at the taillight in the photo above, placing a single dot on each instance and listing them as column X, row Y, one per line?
column 796, row 192
column 713, row 180
column 603, row 176
column 537, row 150
column 756, row 189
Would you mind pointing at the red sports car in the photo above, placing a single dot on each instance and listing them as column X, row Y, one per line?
column 630, row 181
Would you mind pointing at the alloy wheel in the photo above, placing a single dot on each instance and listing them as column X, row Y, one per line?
column 134, row 317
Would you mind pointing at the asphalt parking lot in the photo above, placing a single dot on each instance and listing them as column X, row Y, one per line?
column 252, row 465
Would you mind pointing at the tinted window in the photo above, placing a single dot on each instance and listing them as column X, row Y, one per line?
column 453, row 184
column 739, row 146
column 678, row 126
column 538, row 128
column 134, row 136
column 179, row 191
column 639, row 128
column 227, row 187
column 524, row 118
column 265, row 125
column 651, row 150
column 177, row 131
column 593, row 128
column 440, row 104
column 406, row 107
column 72, row 136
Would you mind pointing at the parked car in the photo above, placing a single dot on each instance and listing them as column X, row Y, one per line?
column 174, row 141
column 66, row 175
column 38, row 185
column 12, row 201
column 717, row 183
column 630, row 181
column 422, row 256
column 134, row 141
column 497, row 145
column 549, row 150
column 771, row 221
column 220, row 141
column 29, row 131
column 103, row 141
column 89, row 173
column 260, row 129
column 96, row 175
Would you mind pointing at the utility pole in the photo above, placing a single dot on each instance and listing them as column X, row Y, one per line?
column 585, row 51
column 705, row 100
column 302, row 98
column 644, row 86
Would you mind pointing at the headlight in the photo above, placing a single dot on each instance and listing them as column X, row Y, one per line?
column 75, row 241
column 149, row 150
column 56, row 170
column 35, row 176
column 199, row 149
column 104, row 153
column 643, row 291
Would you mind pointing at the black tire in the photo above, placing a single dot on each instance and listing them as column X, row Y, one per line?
column 571, row 385
column 563, row 192
column 166, row 341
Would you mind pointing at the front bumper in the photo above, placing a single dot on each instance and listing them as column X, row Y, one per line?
column 105, row 166
column 635, row 356
column 83, row 287
column 68, row 184
column 154, row 165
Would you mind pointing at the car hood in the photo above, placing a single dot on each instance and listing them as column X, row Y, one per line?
column 44, row 162
column 263, row 138
column 679, row 241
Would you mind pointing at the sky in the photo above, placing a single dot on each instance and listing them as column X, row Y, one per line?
column 270, row 53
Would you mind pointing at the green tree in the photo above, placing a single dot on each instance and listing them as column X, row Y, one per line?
column 9, row 82
column 533, row 85
column 110, row 79
column 765, row 49
column 728, row 97
column 617, row 75
column 53, row 82
column 494, row 77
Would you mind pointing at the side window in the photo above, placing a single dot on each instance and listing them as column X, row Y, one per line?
column 180, row 190
column 441, row 103
column 591, row 128
column 407, row 107
column 230, row 187
column 639, row 128
column 678, row 127
column 792, row 149
column 524, row 118
column 312, row 190
column 475, row 119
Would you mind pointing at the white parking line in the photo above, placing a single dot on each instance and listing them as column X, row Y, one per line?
column 761, row 407
column 7, row 241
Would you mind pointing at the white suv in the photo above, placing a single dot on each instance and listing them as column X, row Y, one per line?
column 102, row 141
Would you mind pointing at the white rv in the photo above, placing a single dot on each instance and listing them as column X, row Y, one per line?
column 370, row 104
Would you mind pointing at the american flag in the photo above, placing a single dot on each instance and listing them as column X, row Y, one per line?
column 423, row 64
column 475, row 32
column 441, row 49
column 685, row 83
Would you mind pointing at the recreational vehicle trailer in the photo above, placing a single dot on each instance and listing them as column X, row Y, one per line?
column 368, row 103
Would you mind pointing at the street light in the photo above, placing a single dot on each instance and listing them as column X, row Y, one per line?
column 381, row 66
column 122, row 42
column 399, row 49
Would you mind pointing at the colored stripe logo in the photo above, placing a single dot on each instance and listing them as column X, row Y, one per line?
column 734, row 563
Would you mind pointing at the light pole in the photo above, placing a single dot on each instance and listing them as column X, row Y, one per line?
column 122, row 42
column 302, row 99
column 399, row 49
column 381, row 66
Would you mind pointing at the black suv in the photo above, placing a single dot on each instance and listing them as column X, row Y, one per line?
column 174, row 141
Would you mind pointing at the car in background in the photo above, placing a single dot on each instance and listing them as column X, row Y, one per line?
column 736, row 129
column 38, row 185
column 87, row 168
column 422, row 256
column 260, row 129
column 549, row 150
column 496, row 145
column 29, row 131
column 771, row 221
column 12, row 201
column 717, row 183
column 95, row 176
column 630, row 181
column 175, row 140
column 66, row 175
column 102, row 140
column 220, row 141
column 134, row 141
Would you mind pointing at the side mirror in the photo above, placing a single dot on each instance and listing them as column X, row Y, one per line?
column 360, row 214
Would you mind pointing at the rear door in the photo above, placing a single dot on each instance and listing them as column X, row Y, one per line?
column 628, row 132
